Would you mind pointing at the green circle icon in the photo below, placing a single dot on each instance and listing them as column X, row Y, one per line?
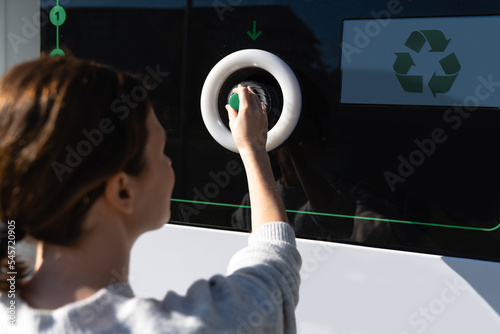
column 57, row 52
column 234, row 101
column 57, row 16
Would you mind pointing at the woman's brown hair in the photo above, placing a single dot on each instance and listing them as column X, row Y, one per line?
column 66, row 127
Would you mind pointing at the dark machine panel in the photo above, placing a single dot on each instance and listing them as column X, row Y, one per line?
column 396, row 142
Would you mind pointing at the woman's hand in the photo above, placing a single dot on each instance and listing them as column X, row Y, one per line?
column 249, row 124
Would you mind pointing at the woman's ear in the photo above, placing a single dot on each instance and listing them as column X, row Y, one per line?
column 119, row 194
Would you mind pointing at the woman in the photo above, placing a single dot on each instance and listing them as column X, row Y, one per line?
column 84, row 179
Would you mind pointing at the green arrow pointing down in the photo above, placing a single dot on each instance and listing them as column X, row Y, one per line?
column 255, row 34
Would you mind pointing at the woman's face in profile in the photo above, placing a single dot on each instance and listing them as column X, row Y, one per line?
column 157, row 180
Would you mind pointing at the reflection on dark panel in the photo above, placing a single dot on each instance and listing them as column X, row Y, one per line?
column 361, row 167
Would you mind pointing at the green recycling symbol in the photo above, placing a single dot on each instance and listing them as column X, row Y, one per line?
column 404, row 61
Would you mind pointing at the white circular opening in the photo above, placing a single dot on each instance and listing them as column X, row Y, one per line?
column 292, row 97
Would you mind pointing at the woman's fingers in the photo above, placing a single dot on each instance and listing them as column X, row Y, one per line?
column 249, row 124
column 247, row 97
column 231, row 113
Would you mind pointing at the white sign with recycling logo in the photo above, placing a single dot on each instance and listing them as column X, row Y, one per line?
column 421, row 61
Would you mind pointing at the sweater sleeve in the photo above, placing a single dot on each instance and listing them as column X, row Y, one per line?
column 272, row 258
column 259, row 294
column 272, row 247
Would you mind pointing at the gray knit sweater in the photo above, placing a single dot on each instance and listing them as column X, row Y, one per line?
column 259, row 295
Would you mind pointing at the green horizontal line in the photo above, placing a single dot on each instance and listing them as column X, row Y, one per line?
column 346, row 216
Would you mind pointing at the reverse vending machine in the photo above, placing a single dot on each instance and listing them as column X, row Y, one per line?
column 383, row 125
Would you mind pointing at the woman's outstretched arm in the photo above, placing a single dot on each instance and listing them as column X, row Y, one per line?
column 249, row 129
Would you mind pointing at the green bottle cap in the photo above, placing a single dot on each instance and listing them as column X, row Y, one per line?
column 234, row 101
